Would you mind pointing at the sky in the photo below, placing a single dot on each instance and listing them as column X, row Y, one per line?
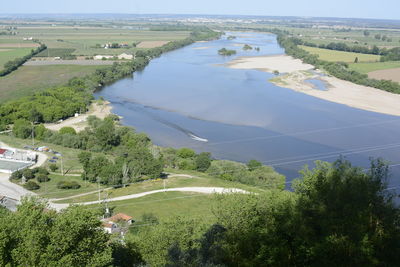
column 382, row 9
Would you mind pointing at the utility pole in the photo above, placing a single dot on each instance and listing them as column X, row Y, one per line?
column 62, row 166
column 33, row 135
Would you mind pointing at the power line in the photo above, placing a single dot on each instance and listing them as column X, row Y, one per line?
column 302, row 133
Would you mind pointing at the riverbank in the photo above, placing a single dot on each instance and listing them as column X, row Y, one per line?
column 339, row 91
column 98, row 109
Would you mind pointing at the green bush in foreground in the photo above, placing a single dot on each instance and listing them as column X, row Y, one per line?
column 68, row 185
column 31, row 185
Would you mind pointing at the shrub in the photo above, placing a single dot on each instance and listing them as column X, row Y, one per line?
column 28, row 174
column 41, row 178
column 68, row 185
column 185, row 153
column 67, row 130
column 53, row 167
column 40, row 170
column 31, row 185
column 16, row 175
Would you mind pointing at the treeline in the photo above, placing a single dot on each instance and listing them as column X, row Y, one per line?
column 337, row 69
column 392, row 54
column 14, row 64
column 253, row 173
column 62, row 102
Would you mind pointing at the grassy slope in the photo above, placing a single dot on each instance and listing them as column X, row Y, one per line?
column 368, row 67
column 331, row 55
column 167, row 205
column 28, row 79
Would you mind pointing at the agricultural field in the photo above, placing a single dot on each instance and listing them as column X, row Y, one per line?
column 11, row 53
column 388, row 74
column 56, row 52
column 355, row 36
column 87, row 41
column 368, row 67
column 335, row 56
column 15, row 84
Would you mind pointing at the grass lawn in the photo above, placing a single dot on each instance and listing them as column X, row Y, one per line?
column 368, row 67
column 49, row 189
column 334, row 56
column 200, row 180
column 29, row 79
column 11, row 53
column 165, row 205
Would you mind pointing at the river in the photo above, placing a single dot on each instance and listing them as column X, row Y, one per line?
column 188, row 98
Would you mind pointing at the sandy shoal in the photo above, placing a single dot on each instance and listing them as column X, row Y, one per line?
column 340, row 91
column 281, row 63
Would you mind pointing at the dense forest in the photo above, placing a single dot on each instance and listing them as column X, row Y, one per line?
column 338, row 215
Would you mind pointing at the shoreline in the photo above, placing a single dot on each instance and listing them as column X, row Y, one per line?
column 100, row 110
column 294, row 76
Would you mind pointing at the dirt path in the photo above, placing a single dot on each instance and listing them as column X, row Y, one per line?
column 203, row 190
column 79, row 123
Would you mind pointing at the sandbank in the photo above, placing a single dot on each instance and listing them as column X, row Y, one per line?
column 339, row 91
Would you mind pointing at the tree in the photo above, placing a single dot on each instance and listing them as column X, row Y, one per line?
column 366, row 33
column 16, row 175
column 253, row 164
column 41, row 178
column 356, row 60
column 185, row 153
column 203, row 161
column 22, row 128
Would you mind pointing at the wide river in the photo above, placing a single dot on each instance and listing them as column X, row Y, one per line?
column 188, row 96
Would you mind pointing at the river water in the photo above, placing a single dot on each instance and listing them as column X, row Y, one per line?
column 188, row 98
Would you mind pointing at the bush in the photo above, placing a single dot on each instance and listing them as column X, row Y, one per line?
column 68, row 185
column 41, row 178
column 31, row 185
column 67, row 130
column 16, row 175
column 53, row 167
column 185, row 153
column 40, row 170
column 28, row 174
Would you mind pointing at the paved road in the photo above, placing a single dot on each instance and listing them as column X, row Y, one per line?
column 203, row 190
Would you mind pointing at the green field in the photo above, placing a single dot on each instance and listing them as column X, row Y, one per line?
column 84, row 39
column 336, row 56
column 11, row 53
column 368, row 67
column 29, row 79
column 55, row 52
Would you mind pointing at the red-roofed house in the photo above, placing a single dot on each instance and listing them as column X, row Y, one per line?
column 120, row 217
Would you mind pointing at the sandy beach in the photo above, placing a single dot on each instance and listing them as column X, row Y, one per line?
column 79, row 123
column 339, row 91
